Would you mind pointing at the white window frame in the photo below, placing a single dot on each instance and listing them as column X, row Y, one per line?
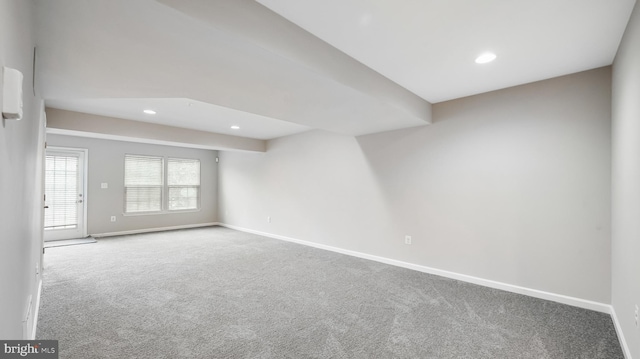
column 164, row 205
column 161, row 186
column 168, row 186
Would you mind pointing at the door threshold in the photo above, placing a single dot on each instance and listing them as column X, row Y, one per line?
column 69, row 242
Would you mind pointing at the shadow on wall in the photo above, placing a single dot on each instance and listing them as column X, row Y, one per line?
column 511, row 186
column 504, row 181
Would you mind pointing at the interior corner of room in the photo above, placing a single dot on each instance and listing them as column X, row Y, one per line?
column 521, row 178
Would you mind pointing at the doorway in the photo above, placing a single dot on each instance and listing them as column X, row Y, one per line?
column 65, row 199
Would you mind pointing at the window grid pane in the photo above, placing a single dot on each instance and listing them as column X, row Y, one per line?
column 183, row 197
column 142, row 171
column 143, row 199
column 183, row 172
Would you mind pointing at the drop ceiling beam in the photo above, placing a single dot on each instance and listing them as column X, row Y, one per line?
column 87, row 125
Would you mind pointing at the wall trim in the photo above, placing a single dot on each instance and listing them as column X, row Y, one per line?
column 559, row 298
column 36, row 311
column 157, row 229
column 623, row 341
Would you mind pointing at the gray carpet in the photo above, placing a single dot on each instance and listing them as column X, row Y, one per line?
column 218, row 293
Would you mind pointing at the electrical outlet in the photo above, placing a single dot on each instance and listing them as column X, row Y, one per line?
column 37, row 268
column 104, row 185
column 269, row 219
column 636, row 316
column 407, row 239
column 113, row 218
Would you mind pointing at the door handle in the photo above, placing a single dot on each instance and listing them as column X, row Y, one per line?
column 45, row 207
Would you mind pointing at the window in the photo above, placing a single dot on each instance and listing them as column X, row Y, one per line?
column 147, row 186
column 184, row 184
column 143, row 183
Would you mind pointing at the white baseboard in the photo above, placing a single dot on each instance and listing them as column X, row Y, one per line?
column 576, row 302
column 623, row 341
column 36, row 311
column 157, row 229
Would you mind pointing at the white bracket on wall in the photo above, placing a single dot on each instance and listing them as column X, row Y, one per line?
column 11, row 94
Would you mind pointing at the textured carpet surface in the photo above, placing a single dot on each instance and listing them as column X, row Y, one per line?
column 218, row 293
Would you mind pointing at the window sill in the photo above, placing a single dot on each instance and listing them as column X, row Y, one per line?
column 160, row 212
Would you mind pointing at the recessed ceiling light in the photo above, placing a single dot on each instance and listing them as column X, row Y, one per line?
column 149, row 112
column 235, row 127
column 486, row 57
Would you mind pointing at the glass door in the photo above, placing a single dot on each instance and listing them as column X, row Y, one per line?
column 64, row 194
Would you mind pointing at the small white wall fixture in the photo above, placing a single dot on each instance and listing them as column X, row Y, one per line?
column 11, row 94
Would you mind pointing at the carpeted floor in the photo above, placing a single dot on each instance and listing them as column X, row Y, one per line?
column 218, row 293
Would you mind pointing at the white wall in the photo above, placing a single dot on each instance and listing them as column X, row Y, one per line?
column 106, row 165
column 626, row 183
column 21, row 144
column 511, row 186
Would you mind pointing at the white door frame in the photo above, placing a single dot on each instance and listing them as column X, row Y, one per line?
column 85, row 175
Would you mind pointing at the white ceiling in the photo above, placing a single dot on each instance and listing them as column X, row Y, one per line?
column 242, row 63
column 185, row 113
column 100, row 51
column 429, row 46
